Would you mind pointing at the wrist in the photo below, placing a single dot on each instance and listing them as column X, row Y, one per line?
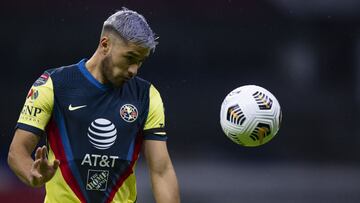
column 34, row 182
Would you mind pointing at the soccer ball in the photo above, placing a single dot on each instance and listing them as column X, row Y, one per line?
column 250, row 116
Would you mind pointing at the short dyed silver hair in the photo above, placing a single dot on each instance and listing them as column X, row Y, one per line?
column 132, row 27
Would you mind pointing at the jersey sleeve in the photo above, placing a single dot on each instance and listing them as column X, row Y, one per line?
column 38, row 106
column 154, row 128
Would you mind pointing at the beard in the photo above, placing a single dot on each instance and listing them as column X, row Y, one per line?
column 107, row 71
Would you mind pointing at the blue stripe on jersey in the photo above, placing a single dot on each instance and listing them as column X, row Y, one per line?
column 88, row 76
column 131, row 150
column 59, row 119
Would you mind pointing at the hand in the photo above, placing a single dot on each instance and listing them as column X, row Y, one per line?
column 41, row 170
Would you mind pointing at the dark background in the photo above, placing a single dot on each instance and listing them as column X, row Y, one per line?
column 306, row 53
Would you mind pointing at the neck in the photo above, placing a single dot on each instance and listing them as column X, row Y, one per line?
column 93, row 65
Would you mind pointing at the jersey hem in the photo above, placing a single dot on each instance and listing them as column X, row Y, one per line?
column 155, row 137
column 29, row 128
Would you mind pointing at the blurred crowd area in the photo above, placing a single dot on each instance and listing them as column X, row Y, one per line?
column 306, row 53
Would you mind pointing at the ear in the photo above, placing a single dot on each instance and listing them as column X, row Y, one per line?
column 105, row 45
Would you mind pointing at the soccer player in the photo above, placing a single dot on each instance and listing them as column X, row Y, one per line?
column 96, row 116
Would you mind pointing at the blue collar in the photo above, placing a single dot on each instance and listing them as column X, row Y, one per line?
column 90, row 77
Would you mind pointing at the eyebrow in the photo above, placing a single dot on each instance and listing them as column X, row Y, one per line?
column 133, row 54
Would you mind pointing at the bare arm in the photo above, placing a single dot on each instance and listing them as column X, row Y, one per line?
column 162, row 173
column 33, row 173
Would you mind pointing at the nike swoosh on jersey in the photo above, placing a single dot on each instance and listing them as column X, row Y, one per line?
column 73, row 108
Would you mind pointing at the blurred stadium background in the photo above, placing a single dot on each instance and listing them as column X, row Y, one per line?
column 307, row 53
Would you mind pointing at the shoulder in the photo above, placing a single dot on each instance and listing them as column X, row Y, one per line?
column 151, row 90
column 138, row 84
column 65, row 76
column 141, row 82
column 53, row 73
column 63, row 71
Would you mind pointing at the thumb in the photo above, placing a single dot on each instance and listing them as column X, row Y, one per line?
column 56, row 164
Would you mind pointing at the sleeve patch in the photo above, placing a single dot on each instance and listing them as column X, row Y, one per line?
column 42, row 79
column 39, row 102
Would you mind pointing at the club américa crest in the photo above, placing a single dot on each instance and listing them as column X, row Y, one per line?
column 129, row 113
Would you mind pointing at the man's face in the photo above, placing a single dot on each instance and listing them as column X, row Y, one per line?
column 122, row 61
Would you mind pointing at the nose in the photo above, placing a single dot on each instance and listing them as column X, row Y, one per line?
column 133, row 70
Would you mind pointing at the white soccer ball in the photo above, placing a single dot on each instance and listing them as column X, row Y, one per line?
column 250, row 116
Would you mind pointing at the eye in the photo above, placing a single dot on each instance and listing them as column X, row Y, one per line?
column 134, row 60
column 130, row 59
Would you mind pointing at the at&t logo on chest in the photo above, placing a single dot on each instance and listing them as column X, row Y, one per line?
column 129, row 113
column 102, row 133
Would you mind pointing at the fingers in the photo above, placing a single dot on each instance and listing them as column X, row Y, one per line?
column 43, row 152
column 35, row 172
column 56, row 164
column 42, row 170
column 38, row 153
